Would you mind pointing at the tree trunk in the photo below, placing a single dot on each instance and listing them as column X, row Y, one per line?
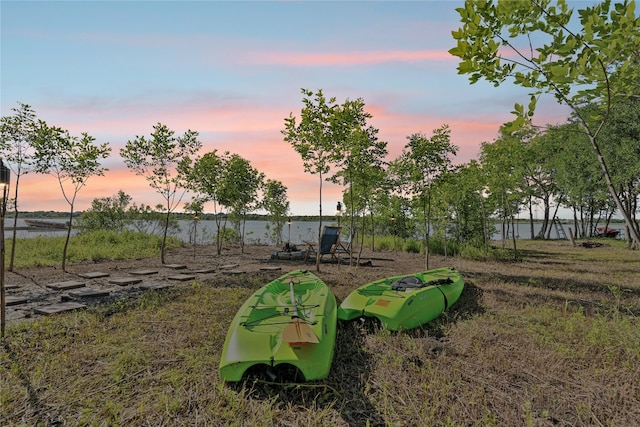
column 361, row 236
column 66, row 242
column 513, row 237
column 531, row 218
column 546, row 224
column 164, row 235
column 244, row 224
column 319, row 229
column 634, row 234
column 15, row 222
column 218, row 237
column 555, row 215
column 426, row 234
column 372, row 229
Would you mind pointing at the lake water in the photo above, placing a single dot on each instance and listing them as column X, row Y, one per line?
column 255, row 231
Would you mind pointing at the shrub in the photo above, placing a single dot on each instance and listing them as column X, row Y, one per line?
column 440, row 246
column 385, row 243
column 412, row 246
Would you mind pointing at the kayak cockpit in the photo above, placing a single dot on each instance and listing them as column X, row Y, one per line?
column 414, row 282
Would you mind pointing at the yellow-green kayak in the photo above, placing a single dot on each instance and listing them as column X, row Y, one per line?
column 404, row 302
column 289, row 322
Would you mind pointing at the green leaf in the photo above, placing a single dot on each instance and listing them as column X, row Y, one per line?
column 558, row 70
column 518, row 109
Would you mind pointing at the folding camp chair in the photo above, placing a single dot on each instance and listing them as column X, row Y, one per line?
column 328, row 240
column 345, row 247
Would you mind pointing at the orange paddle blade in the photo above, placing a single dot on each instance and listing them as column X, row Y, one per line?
column 297, row 332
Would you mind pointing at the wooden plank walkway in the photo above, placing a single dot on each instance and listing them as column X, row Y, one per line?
column 144, row 272
column 125, row 281
column 84, row 291
column 59, row 307
column 89, row 293
column 182, row 277
column 64, row 286
column 93, row 275
column 12, row 300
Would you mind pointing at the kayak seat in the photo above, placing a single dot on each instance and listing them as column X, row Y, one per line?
column 409, row 282
column 413, row 282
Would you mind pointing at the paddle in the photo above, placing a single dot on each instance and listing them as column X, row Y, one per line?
column 297, row 332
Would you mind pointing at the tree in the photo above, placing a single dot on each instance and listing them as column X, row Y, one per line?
column 504, row 168
column 195, row 208
column 394, row 217
column 359, row 163
column 150, row 220
column 598, row 64
column 425, row 159
column 400, row 198
column 241, row 182
column 467, row 208
column 228, row 181
column 579, row 180
column 17, row 134
column 205, row 178
column 313, row 139
column 621, row 141
column 275, row 202
column 107, row 213
column 72, row 160
column 157, row 159
column 540, row 178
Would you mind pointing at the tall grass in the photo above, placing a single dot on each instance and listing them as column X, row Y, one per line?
column 437, row 245
column 452, row 248
column 91, row 246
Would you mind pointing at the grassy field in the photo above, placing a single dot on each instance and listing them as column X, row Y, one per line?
column 553, row 339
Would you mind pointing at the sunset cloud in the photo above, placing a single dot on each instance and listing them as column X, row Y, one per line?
column 303, row 59
column 233, row 71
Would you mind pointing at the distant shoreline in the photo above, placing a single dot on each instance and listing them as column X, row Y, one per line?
column 251, row 217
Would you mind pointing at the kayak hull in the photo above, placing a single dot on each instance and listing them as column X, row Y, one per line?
column 402, row 309
column 255, row 336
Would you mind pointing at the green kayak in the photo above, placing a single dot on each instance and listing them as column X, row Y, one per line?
column 289, row 322
column 404, row 302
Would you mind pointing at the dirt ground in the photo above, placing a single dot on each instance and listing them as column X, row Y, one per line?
column 29, row 290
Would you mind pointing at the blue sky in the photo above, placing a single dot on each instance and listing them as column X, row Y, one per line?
column 233, row 71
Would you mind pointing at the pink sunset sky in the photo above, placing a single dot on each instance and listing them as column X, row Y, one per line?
column 233, row 71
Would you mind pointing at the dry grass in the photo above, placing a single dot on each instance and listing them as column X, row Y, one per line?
column 551, row 340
